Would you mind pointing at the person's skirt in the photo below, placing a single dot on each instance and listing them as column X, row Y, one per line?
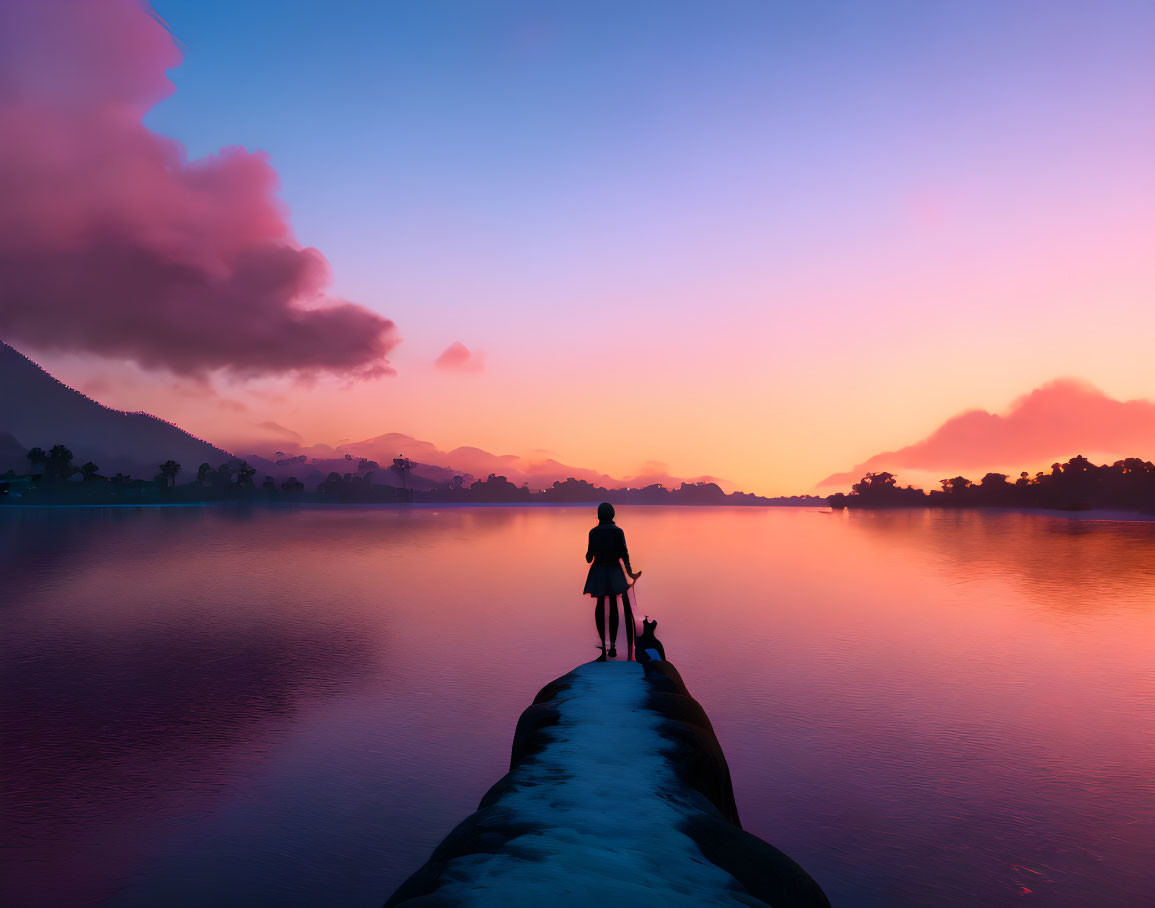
column 606, row 580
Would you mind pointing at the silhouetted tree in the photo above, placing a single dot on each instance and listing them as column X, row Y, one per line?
column 293, row 485
column 402, row 466
column 223, row 477
column 1076, row 484
column 698, row 493
column 874, row 483
column 37, row 458
column 89, row 471
column 574, row 490
column 878, row 490
column 60, row 463
column 245, row 475
column 168, row 470
column 497, row 488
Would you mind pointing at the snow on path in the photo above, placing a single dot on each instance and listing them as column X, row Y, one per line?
column 606, row 806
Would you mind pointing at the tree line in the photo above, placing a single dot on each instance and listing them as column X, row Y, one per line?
column 1078, row 484
column 54, row 473
column 53, row 476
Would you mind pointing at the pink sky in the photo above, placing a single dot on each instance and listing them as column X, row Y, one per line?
column 722, row 275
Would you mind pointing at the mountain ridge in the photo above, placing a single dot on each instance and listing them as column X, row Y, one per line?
column 39, row 410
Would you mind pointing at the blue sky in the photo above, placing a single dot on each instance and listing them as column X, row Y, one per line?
column 749, row 215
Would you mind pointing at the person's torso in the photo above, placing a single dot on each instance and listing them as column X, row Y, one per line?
column 607, row 543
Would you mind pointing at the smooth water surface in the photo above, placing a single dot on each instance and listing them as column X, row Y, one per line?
column 218, row 706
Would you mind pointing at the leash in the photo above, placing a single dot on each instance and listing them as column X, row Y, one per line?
column 633, row 620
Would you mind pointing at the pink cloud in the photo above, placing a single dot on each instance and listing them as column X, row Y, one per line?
column 1054, row 422
column 112, row 242
column 458, row 358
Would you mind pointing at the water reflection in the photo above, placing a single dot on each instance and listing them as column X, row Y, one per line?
column 244, row 706
column 125, row 699
column 1063, row 562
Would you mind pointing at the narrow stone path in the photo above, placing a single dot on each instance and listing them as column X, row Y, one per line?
column 604, row 807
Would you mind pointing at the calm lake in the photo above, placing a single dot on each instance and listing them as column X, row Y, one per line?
column 225, row 706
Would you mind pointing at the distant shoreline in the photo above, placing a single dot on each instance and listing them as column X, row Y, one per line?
column 423, row 505
column 1126, row 486
column 58, row 484
column 1094, row 514
column 1116, row 514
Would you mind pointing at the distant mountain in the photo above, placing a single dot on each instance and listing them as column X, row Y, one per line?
column 12, row 452
column 538, row 473
column 36, row 410
column 433, row 466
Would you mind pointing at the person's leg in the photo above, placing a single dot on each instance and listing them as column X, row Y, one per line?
column 600, row 618
column 631, row 628
column 613, row 625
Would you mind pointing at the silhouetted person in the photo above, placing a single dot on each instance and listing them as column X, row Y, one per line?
column 606, row 554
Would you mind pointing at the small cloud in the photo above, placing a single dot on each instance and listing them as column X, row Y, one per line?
column 231, row 406
column 458, row 358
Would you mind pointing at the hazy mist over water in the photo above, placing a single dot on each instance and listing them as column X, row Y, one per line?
column 213, row 705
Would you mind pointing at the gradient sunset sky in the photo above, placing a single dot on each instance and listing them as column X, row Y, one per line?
column 763, row 241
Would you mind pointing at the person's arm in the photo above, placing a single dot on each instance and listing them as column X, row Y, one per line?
column 590, row 548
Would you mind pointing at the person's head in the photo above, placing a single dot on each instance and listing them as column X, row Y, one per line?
column 605, row 512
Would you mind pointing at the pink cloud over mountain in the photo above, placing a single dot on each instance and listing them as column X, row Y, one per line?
column 112, row 242
column 1054, row 422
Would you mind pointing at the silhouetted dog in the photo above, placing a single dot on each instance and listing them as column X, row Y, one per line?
column 648, row 648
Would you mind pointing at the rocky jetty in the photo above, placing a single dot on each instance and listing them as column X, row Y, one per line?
column 618, row 792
